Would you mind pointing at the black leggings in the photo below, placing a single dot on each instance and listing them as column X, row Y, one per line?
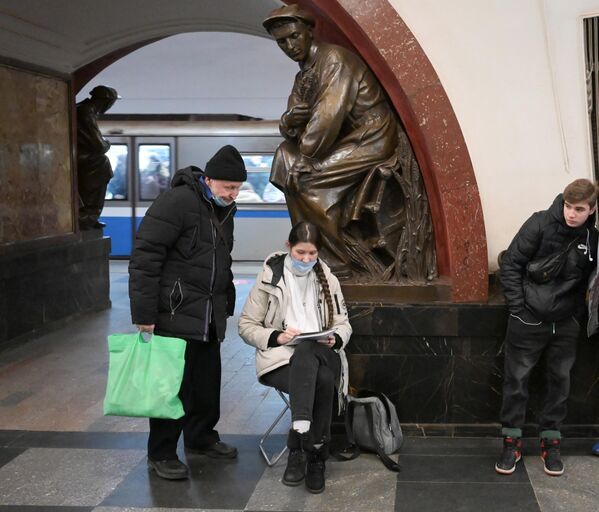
column 310, row 379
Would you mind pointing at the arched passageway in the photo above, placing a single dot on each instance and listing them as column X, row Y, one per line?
column 418, row 96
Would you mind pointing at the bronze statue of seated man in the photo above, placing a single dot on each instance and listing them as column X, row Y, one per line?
column 346, row 163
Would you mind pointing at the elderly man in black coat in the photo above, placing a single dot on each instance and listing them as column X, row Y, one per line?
column 181, row 285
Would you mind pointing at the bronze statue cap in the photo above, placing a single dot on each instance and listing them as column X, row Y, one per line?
column 101, row 91
column 291, row 12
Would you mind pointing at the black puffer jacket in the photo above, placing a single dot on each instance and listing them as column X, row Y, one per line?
column 180, row 271
column 546, row 233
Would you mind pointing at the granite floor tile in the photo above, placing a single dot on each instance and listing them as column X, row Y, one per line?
column 577, row 490
column 450, row 446
column 213, row 484
column 64, row 477
column 15, row 398
column 361, row 485
column 96, row 440
column 44, row 508
column 136, row 509
column 455, row 469
column 465, row 497
column 8, row 454
column 8, row 437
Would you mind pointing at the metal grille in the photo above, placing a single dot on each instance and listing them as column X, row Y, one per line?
column 591, row 38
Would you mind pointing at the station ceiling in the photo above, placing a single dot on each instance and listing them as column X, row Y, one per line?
column 64, row 35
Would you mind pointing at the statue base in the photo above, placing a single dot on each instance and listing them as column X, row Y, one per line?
column 47, row 282
column 436, row 291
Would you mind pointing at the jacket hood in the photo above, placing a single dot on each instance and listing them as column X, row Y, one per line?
column 187, row 176
column 556, row 210
column 190, row 176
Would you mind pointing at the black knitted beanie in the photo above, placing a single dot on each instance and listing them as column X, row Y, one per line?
column 227, row 165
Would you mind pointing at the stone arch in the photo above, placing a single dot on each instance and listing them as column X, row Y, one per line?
column 413, row 86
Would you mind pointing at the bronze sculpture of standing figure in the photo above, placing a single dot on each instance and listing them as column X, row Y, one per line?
column 93, row 166
column 344, row 155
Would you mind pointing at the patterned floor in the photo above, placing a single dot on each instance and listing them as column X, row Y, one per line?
column 58, row 453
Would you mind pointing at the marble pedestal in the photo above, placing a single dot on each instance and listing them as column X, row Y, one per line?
column 47, row 282
column 442, row 366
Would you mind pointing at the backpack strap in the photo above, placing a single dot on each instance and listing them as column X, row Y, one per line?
column 353, row 450
column 389, row 463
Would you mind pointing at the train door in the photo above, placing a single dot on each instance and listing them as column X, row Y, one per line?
column 118, row 207
column 154, row 169
column 143, row 168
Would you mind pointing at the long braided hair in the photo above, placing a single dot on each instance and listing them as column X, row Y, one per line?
column 306, row 232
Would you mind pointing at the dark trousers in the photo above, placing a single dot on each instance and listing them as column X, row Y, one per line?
column 524, row 346
column 310, row 379
column 200, row 396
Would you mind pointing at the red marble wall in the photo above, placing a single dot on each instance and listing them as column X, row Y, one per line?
column 376, row 31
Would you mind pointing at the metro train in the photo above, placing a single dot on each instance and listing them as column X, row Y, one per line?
column 145, row 153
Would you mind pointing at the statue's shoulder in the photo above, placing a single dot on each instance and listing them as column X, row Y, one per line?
column 84, row 109
column 333, row 52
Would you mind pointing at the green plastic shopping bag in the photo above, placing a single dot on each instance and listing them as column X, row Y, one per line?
column 144, row 377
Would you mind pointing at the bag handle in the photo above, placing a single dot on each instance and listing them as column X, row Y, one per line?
column 366, row 393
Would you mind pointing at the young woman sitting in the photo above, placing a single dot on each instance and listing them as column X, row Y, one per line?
column 296, row 293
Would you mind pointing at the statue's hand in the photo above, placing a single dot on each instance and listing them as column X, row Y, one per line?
column 297, row 116
column 301, row 166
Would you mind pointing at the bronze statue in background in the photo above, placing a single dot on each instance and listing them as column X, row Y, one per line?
column 346, row 162
column 93, row 166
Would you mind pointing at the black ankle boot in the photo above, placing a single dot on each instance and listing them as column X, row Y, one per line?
column 315, row 471
column 296, row 468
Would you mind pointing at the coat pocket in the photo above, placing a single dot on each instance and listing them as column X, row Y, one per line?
column 269, row 315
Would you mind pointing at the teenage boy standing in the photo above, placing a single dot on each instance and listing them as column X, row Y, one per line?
column 547, row 308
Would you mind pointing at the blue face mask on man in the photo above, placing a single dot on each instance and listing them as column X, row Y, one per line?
column 302, row 267
column 219, row 201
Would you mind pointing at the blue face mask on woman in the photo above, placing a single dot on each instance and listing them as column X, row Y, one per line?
column 302, row 267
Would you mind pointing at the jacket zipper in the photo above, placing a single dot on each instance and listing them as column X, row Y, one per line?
column 170, row 298
column 213, row 273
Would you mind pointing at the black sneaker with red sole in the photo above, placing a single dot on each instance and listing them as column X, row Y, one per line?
column 511, row 455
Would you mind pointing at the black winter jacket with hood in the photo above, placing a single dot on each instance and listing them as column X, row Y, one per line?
column 543, row 234
column 180, row 275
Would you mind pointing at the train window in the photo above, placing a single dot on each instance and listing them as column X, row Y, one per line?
column 153, row 165
column 257, row 188
column 117, row 186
